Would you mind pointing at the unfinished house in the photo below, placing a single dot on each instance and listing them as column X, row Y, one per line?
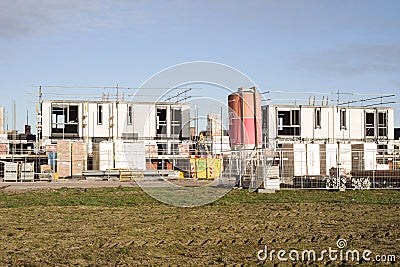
column 311, row 140
column 161, row 126
column 327, row 124
column 108, row 120
column 64, row 121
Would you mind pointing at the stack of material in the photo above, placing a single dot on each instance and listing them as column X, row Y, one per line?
column 119, row 155
column 130, row 155
column 271, row 183
column 345, row 162
column 322, row 159
column 357, row 155
column 273, row 172
column 96, row 157
column 45, row 168
column 151, row 151
column 64, row 158
column 313, row 159
column 151, row 165
column 300, row 159
column 287, row 161
column 27, row 172
column 105, row 155
column 331, row 156
column 11, row 171
column 79, row 158
column 364, row 156
column 3, row 149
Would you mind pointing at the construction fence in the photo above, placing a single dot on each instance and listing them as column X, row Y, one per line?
column 335, row 166
column 291, row 166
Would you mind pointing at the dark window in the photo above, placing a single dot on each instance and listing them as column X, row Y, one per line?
column 58, row 117
column 343, row 119
column 100, row 114
column 175, row 149
column 72, row 114
column 317, row 118
column 370, row 124
column 289, row 122
column 130, row 114
column 161, row 121
column 283, row 118
column 295, row 117
column 382, row 152
column 64, row 120
column 382, row 124
column 176, row 118
column 162, row 149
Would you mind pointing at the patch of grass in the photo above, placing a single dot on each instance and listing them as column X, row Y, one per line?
column 122, row 197
column 380, row 197
column 107, row 197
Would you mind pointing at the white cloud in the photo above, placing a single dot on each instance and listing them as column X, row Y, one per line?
column 20, row 18
column 25, row 17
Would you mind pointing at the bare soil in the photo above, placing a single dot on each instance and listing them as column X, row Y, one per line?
column 228, row 232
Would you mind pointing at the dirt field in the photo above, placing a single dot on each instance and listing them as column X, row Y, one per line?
column 124, row 226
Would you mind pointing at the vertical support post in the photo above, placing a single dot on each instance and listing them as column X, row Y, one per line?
column 212, row 136
column 197, row 120
column 39, row 120
column 14, row 132
column 221, row 135
column 242, row 150
column 221, row 158
column 255, row 122
column 116, row 106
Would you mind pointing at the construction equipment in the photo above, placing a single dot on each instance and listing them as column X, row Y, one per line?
column 201, row 146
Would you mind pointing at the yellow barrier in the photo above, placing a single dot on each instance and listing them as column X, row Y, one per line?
column 205, row 168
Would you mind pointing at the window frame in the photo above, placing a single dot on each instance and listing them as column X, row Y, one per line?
column 343, row 119
column 317, row 118
column 100, row 114
column 370, row 126
column 384, row 125
column 294, row 121
column 130, row 114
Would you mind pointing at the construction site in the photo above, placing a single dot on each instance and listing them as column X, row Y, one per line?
column 347, row 144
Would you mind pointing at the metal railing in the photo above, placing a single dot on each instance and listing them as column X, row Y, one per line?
column 338, row 169
column 313, row 166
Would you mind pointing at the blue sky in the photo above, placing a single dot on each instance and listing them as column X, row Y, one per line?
column 322, row 46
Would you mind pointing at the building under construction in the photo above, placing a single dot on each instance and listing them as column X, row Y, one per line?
column 267, row 146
